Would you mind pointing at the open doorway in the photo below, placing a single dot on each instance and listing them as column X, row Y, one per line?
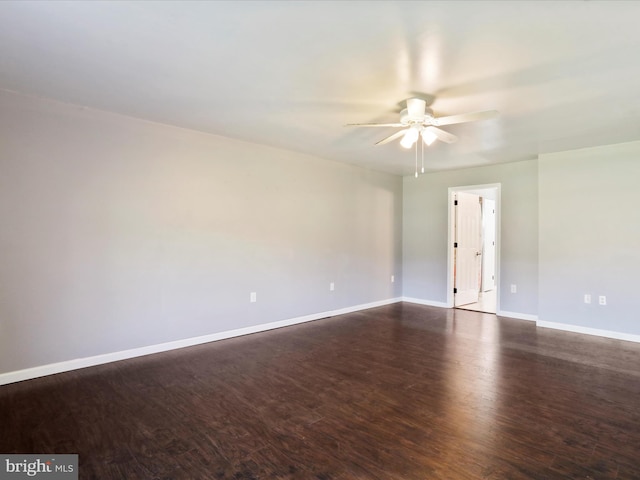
column 474, row 213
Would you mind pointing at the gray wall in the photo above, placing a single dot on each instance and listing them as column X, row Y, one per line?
column 590, row 237
column 425, row 230
column 118, row 233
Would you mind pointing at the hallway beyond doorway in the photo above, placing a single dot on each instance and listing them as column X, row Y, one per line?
column 486, row 303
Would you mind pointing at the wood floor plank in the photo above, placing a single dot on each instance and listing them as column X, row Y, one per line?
column 396, row 392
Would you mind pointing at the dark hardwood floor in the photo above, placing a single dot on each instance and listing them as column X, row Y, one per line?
column 397, row 392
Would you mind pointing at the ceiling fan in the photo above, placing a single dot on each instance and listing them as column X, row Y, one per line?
column 418, row 121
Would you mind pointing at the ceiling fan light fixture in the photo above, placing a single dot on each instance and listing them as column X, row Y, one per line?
column 428, row 136
column 410, row 138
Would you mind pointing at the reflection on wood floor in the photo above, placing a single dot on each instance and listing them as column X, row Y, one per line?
column 397, row 392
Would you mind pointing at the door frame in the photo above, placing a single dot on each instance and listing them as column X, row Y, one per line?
column 451, row 235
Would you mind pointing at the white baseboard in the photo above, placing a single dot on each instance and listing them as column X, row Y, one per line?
column 629, row 337
column 429, row 303
column 517, row 315
column 53, row 368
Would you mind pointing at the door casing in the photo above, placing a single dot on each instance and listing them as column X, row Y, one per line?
column 478, row 189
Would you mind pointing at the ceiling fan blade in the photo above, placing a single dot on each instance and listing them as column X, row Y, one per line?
column 375, row 125
column 392, row 137
column 442, row 135
column 416, row 107
column 465, row 117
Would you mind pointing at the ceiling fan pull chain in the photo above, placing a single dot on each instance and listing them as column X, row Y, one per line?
column 422, row 150
column 416, row 159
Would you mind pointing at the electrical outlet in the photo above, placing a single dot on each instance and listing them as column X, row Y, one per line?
column 587, row 298
column 253, row 297
column 332, row 287
column 393, row 278
column 514, row 288
column 602, row 300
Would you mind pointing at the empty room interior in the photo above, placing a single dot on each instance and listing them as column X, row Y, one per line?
column 320, row 240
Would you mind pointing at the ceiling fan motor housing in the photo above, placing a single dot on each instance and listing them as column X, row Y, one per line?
column 424, row 118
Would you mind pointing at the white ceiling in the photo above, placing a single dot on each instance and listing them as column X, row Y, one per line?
column 291, row 74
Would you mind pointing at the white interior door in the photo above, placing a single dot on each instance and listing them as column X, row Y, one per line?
column 489, row 247
column 468, row 250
